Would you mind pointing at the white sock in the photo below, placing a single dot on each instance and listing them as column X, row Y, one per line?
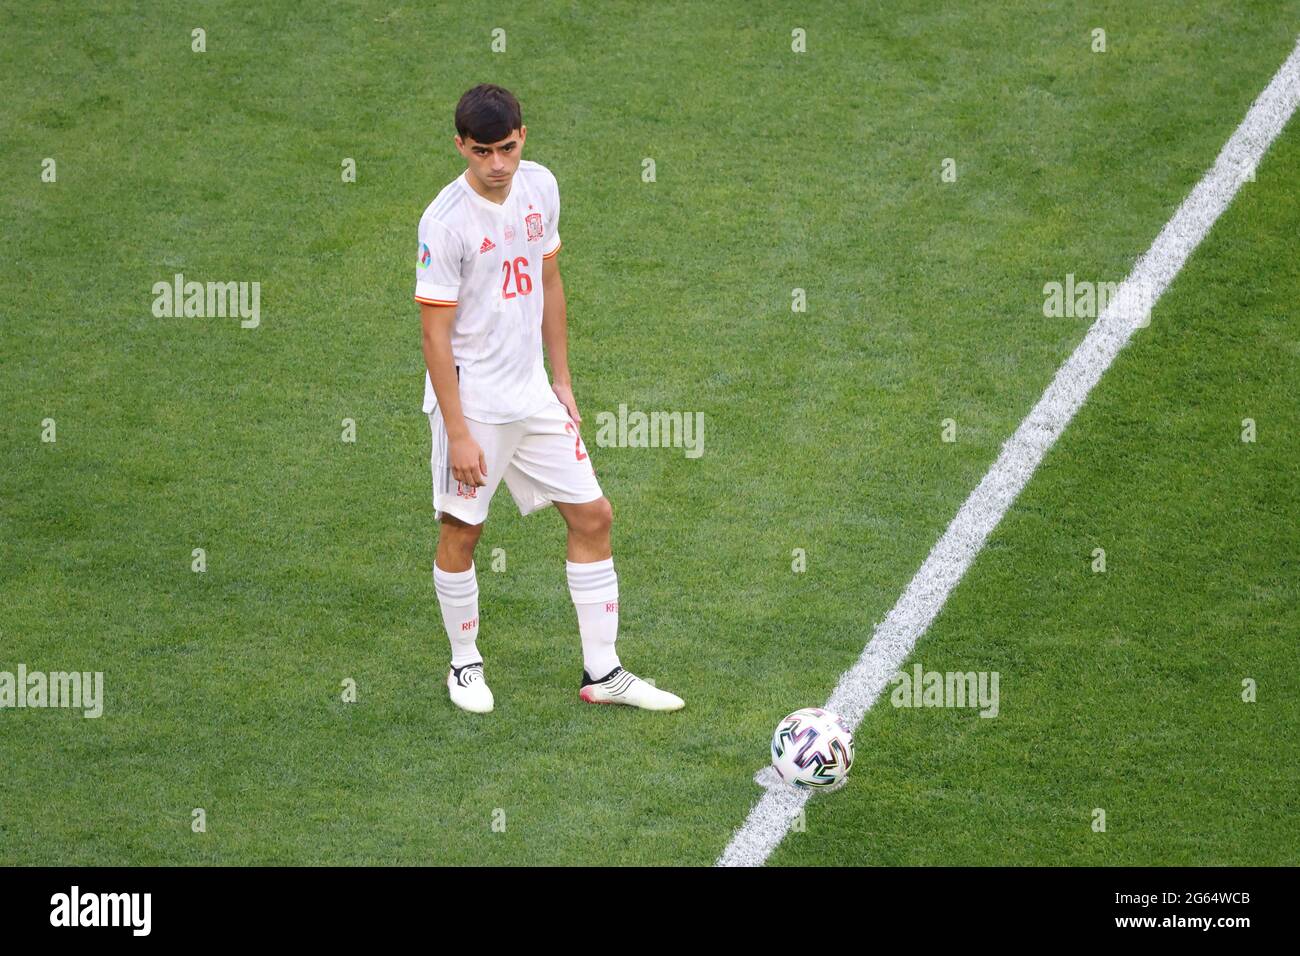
column 458, row 597
column 594, row 588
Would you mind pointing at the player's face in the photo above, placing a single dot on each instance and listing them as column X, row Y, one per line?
column 493, row 165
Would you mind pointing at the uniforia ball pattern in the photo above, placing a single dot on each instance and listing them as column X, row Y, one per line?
column 813, row 749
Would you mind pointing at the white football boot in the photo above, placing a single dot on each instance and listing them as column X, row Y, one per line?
column 469, row 691
column 623, row 687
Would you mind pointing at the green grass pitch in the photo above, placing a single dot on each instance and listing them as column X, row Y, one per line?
column 774, row 170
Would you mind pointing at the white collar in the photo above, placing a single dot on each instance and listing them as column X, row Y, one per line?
column 498, row 208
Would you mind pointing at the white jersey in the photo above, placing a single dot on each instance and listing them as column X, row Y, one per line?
column 486, row 258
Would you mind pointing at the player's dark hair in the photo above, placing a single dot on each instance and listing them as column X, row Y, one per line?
column 488, row 114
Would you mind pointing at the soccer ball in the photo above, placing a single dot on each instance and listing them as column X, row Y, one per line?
column 813, row 749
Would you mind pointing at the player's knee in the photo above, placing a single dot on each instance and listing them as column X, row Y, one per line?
column 460, row 534
column 598, row 517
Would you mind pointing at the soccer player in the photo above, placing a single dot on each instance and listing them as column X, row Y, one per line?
column 488, row 284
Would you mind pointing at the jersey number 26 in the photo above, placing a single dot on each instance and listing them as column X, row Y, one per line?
column 523, row 281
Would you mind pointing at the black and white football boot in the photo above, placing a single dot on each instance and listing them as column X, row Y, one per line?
column 469, row 691
column 624, row 687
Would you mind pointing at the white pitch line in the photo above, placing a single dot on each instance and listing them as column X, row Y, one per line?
column 924, row 597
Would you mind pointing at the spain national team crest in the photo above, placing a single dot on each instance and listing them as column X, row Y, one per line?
column 534, row 223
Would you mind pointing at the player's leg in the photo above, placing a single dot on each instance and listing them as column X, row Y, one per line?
column 593, row 585
column 551, row 466
column 457, row 585
column 589, row 527
column 461, row 511
column 456, row 582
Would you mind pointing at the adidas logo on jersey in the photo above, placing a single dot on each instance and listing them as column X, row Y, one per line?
column 487, row 246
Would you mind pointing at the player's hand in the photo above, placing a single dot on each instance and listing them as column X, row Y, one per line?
column 468, row 465
column 565, row 394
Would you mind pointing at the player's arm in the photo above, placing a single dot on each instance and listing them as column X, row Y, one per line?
column 555, row 333
column 465, row 455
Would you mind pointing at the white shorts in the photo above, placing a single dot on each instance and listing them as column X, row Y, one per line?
column 542, row 459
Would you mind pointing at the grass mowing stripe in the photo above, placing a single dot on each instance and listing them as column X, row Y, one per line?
column 896, row 636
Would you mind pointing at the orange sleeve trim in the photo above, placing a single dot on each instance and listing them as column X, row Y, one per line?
column 424, row 301
column 554, row 251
